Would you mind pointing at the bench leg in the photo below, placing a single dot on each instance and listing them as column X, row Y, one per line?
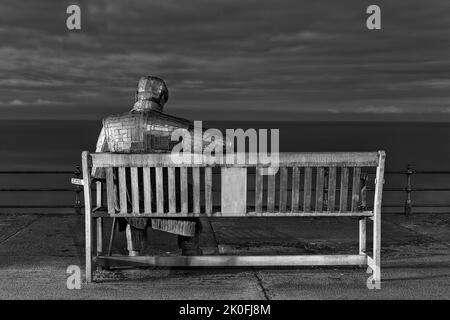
column 88, row 243
column 87, row 215
column 99, row 220
column 377, row 220
column 99, row 236
column 377, row 250
column 99, row 239
column 362, row 235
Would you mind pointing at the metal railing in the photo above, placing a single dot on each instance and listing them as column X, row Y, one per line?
column 409, row 189
column 407, row 205
column 76, row 189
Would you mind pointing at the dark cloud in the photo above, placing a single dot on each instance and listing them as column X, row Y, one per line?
column 282, row 59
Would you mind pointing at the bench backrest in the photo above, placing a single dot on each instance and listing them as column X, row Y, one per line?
column 306, row 184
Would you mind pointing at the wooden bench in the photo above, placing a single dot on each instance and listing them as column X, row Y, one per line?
column 243, row 191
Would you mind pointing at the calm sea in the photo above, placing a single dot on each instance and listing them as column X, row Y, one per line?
column 57, row 145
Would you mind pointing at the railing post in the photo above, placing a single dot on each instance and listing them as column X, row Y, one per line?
column 408, row 189
column 78, row 189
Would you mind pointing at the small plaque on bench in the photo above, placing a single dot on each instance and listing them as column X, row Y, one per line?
column 234, row 191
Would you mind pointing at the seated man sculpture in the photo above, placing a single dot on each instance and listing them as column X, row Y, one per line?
column 146, row 129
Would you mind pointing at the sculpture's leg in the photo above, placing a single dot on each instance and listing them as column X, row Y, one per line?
column 111, row 238
column 190, row 245
column 188, row 231
column 135, row 240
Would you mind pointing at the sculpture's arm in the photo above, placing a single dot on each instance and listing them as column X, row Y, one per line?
column 102, row 146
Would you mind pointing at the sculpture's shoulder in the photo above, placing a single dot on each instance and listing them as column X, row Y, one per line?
column 149, row 117
column 123, row 132
column 159, row 128
column 163, row 120
column 126, row 119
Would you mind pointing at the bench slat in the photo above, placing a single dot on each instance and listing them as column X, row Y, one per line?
column 247, row 214
column 271, row 193
column 344, row 190
column 135, row 189
column 196, row 187
column 283, row 188
column 286, row 159
column 320, row 177
column 147, row 190
column 208, row 190
column 331, row 189
column 295, row 188
column 110, row 192
column 159, row 190
column 258, row 190
column 355, row 188
column 123, row 191
column 307, row 190
column 184, row 189
column 172, row 196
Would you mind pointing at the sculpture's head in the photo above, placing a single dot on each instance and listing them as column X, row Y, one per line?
column 152, row 94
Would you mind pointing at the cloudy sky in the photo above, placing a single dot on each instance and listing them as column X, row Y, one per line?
column 228, row 59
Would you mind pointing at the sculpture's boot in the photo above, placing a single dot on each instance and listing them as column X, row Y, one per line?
column 190, row 245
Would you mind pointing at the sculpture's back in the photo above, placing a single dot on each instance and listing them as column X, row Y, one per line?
column 142, row 131
column 146, row 129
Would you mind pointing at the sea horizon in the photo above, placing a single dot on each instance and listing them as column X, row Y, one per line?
column 57, row 145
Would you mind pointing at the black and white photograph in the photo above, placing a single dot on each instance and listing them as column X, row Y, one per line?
column 244, row 152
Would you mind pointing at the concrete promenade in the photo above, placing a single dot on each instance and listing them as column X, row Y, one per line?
column 35, row 251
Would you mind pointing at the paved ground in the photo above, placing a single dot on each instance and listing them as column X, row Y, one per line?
column 36, row 250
